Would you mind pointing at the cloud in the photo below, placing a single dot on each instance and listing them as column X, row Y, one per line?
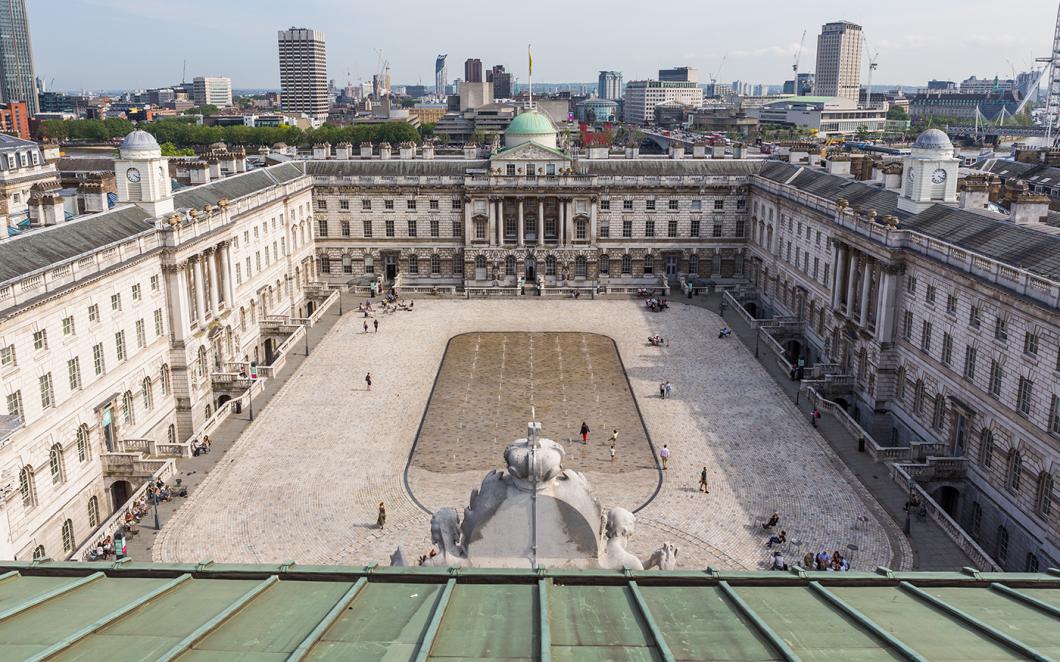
column 771, row 51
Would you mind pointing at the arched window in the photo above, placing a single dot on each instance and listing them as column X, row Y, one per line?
column 581, row 229
column 480, row 261
column 27, row 487
column 201, row 361
column 986, row 448
column 93, row 512
column 627, row 264
column 242, row 318
column 604, row 264
column 55, row 464
column 1043, row 494
column 580, row 267
column 938, row 416
column 436, row 263
column 1001, row 546
column 68, row 536
column 899, row 386
column 163, row 376
column 171, row 434
column 918, row 398
column 414, row 264
column 509, row 265
column 649, row 264
column 128, row 413
column 83, row 450
column 550, row 265
column 149, row 394
column 1014, row 470
column 1032, row 563
column 38, row 552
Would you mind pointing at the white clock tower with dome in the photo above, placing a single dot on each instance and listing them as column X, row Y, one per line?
column 142, row 174
column 930, row 173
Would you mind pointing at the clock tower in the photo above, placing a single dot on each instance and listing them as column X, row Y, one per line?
column 929, row 173
column 142, row 174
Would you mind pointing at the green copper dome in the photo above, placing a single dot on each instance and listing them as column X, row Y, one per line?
column 530, row 123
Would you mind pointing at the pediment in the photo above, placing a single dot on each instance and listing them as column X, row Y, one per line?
column 529, row 152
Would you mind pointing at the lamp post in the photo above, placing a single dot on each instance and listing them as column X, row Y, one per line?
column 306, row 340
column 154, row 498
column 757, row 331
column 908, row 527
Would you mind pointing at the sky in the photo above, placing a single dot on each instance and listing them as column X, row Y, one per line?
column 129, row 44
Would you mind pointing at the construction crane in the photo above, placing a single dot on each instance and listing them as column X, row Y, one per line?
column 873, row 57
column 717, row 71
column 795, row 64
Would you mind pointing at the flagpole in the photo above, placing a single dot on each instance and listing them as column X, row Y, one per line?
column 530, row 77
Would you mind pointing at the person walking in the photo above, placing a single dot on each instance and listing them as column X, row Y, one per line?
column 366, row 326
column 703, row 481
column 368, row 380
column 612, row 452
column 585, row 433
column 662, row 390
column 381, row 519
column 614, row 437
column 376, row 323
column 815, row 415
column 664, row 456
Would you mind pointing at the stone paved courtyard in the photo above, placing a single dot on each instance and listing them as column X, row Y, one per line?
column 304, row 480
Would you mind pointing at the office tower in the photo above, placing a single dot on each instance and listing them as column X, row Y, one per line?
column 17, row 79
column 610, row 85
column 502, row 82
column 213, row 90
column 441, row 75
column 473, row 70
column 679, row 75
column 303, row 72
column 838, row 61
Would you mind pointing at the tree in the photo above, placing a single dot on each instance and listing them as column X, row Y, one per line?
column 169, row 149
column 897, row 113
column 408, row 102
column 862, row 132
column 427, row 129
column 204, row 110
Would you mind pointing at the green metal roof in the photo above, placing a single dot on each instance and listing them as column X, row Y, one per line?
column 530, row 123
column 132, row 611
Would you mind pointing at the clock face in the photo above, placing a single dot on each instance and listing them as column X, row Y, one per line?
column 938, row 176
column 133, row 174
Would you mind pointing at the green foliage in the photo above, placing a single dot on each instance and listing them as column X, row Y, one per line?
column 408, row 102
column 182, row 133
column 169, row 149
column 897, row 113
column 427, row 129
column 861, row 133
column 206, row 110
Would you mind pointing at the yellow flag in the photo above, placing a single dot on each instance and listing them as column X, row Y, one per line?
column 531, row 58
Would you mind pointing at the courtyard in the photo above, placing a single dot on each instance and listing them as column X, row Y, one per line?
column 454, row 382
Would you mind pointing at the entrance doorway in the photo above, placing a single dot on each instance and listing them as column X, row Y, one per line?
column 671, row 266
column 309, row 308
column 531, row 269
column 269, row 351
column 480, row 268
column 792, row 351
column 391, row 267
column 120, row 492
column 107, row 423
column 948, row 498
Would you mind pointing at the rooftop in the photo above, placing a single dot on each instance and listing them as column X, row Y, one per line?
column 132, row 611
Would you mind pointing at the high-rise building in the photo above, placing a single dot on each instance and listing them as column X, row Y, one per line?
column 473, row 70
column 610, row 85
column 441, row 75
column 642, row 96
column 17, row 78
column 304, row 72
column 212, row 90
column 679, row 75
column 502, row 82
column 838, row 61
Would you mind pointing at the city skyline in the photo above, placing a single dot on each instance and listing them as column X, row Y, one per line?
column 909, row 53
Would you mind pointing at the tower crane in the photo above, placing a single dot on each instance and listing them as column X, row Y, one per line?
column 873, row 57
column 717, row 71
column 795, row 64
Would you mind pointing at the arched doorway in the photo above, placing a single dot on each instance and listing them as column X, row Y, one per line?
column 309, row 308
column 792, row 351
column 531, row 269
column 120, row 491
column 752, row 309
column 222, row 400
column 842, row 403
column 269, row 351
column 948, row 497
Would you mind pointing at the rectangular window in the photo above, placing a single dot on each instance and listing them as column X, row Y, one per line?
column 695, row 227
column 99, row 363
column 697, row 205
column 741, row 204
column 816, row 266
column 1001, row 329
column 73, row 369
column 322, row 204
column 1023, row 396
column 436, row 228
column 389, row 228
column 671, row 228
column 93, row 313
column 410, row 205
column 649, row 228
column 388, row 204
column 627, row 229
column 969, row 362
column 605, row 205
column 366, row 204
column 672, row 205
column 627, row 205
column 951, row 304
column 458, row 228
column 719, row 205
column 925, row 336
column 344, row 228
column 907, row 325
column 154, row 279
column 47, row 395
column 14, row 404
column 717, row 233
column 974, row 319
column 68, row 326
column 1054, row 415
column 322, row 227
column 115, row 302
column 434, row 205
column 141, row 334
column 119, row 345
column 1030, row 343
column 158, row 321
column 604, row 230
column 136, row 292
column 649, row 205
column 7, row 356
column 741, row 228
column 458, row 204
column 412, row 228
column 366, row 228
column 827, row 272
column 947, row 348
column 995, row 379
column 910, row 284
column 40, row 340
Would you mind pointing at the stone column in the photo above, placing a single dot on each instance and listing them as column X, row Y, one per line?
column 176, row 290
column 885, row 306
column 226, row 273
column 866, row 285
column 564, row 231
column 200, row 293
column 211, row 264
column 469, row 232
column 837, row 275
column 592, row 222
column 499, row 223
column 852, row 265
column 522, row 224
column 540, row 221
